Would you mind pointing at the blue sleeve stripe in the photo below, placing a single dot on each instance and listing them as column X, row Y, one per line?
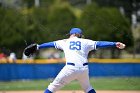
column 55, row 45
column 95, row 45
column 104, row 44
column 46, row 45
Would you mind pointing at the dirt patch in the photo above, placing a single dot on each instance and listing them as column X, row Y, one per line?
column 72, row 91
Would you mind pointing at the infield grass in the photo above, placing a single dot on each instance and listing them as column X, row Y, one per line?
column 108, row 83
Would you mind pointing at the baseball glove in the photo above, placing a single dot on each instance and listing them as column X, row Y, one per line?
column 30, row 50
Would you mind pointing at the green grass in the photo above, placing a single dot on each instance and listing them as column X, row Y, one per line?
column 116, row 83
column 132, row 83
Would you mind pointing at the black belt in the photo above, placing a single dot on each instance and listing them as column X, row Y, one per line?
column 74, row 64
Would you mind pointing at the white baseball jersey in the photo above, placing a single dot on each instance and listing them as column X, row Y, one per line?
column 76, row 49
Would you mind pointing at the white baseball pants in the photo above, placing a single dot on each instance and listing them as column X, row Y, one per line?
column 70, row 73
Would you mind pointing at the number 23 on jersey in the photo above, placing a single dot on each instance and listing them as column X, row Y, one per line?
column 75, row 45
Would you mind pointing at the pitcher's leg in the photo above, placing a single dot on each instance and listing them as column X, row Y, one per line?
column 47, row 91
column 92, row 91
column 84, row 82
column 64, row 77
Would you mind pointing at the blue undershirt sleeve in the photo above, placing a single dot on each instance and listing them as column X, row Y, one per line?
column 47, row 45
column 105, row 44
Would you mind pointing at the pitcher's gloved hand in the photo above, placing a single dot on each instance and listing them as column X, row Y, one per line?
column 30, row 50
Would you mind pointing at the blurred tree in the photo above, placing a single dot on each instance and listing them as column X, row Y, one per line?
column 46, row 3
column 136, row 34
column 36, row 22
column 28, row 3
column 60, row 20
column 43, row 3
column 19, row 29
column 106, row 24
column 12, row 28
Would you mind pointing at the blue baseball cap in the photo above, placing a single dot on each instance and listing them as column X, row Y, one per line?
column 75, row 31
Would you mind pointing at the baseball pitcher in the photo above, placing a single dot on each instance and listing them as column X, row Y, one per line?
column 76, row 51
